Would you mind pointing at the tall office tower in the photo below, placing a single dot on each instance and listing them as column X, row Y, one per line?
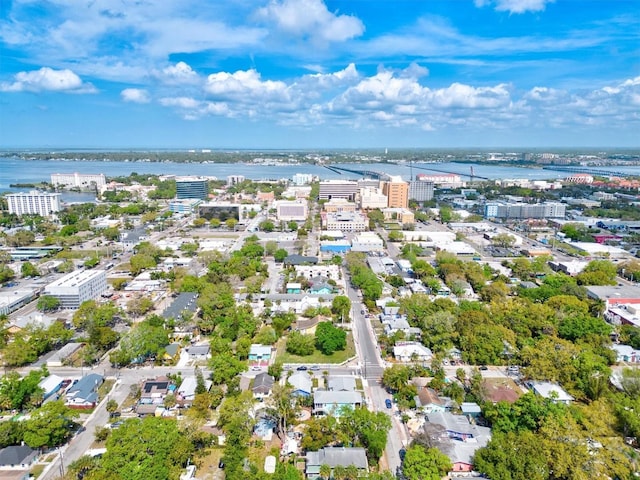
column 397, row 192
column 192, row 187
column 420, row 190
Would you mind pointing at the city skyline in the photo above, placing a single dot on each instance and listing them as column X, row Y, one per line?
column 320, row 74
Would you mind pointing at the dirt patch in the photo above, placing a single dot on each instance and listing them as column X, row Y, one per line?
column 501, row 390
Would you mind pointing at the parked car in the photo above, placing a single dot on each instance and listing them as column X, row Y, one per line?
column 388, row 403
column 220, row 464
column 315, row 367
column 484, row 367
column 301, row 368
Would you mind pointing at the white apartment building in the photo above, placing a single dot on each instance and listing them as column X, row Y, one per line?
column 372, row 198
column 78, row 287
column 345, row 221
column 78, row 180
column 287, row 211
column 300, row 179
column 234, row 180
column 367, row 242
column 311, row 271
column 449, row 180
column 33, row 203
column 583, row 178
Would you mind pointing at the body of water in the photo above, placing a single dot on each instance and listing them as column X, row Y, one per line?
column 16, row 170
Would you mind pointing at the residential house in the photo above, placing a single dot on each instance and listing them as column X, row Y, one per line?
column 395, row 323
column 186, row 392
column 50, row 385
column 152, row 394
column 307, row 326
column 320, row 286
column 460, row 438
column 333, row 457
column 551, row 391
column 84, row 394
column 294, row 287
column 199, row 352
column 259, row 353
column 471, row 409
column 626, row 353
column 184, row 302
column 262, row 385
column 301, row 383
column 18, row 457
column 341, row 384
column 412, row 352
column 155, row 388
column 332, row 402
column 171, row 352
column 428, row 401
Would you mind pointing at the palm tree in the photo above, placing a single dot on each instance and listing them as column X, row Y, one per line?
column 325, row 471
column 352, row 472
column 339, row 473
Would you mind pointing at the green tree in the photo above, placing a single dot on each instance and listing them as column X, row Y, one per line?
column 28, row 269
column 395, row 236
column 299, row 344
column 425, row 464
column 47, row 303
column 341, row 306
column 329, row 338
column 50, row 425
column 142, row 449
column 280, row 254
column 396, row 377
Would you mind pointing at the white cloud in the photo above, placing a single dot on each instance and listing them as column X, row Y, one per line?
column 311, row 19
column 180, row 102
column 179, row 74
column 515, row 6
column 465, row 96
column 245, row 86
column 135, row 95
column 47, row 79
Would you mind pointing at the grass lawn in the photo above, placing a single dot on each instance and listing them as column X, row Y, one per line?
column 317, row 356
column 36, row 470
column 105, row 388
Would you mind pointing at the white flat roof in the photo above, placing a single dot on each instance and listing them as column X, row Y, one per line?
column 74, row 278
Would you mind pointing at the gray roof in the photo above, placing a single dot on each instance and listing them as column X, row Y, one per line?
column 620, row 291
column 326, row 397
column 299, row 260
column 300, row 381
column 263, row 381
column 172, row 349
column 184, row 301
column 16, row 455
column 334, row 456
column 87, row 387
column 347, row 384
column 199, row 350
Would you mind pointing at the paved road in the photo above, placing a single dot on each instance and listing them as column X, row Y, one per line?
column 371, row 368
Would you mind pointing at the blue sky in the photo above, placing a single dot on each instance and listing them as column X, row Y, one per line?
column 319, row 73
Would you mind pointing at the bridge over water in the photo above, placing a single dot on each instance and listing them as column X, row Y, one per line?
column 593, row 171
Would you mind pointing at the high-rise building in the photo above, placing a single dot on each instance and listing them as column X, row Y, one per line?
column 338, row 189
column 420, row 190
column 77, row 287
column 397, row 192
column 234, row 180
column 192, row 187
column 33, row 203
column 302, row 178
column 78, row 180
